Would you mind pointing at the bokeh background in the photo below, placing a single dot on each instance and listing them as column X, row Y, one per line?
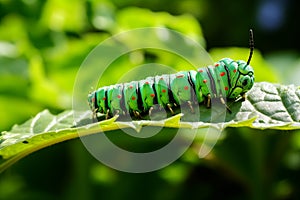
column 43, row 43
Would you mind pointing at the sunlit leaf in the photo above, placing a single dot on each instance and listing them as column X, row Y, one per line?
column 269, row 106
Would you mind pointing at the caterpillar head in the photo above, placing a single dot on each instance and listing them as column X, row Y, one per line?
column 241, row 77
column 245, row 75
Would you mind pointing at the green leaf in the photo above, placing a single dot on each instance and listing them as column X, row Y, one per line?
column 61, row 15
column 127, row 19
column 275, row 106
column 268, row 106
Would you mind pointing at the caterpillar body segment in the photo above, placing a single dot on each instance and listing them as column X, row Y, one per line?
column 225, row 80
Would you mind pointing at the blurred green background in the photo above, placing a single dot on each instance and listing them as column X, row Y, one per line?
column 42, row 45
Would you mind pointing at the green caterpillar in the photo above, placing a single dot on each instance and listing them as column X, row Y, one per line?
column 226, row 79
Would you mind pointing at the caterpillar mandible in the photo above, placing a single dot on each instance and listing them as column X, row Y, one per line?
column 225, row 79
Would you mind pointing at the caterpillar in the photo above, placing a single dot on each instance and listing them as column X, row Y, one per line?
column 227, row 79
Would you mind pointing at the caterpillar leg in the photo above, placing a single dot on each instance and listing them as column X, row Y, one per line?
column 191, row 107
column 241, row 98
column 244, row 97
column 137, row 114
column 150, row 110
column 208, row 103
column 170, row 108
column 223, row 102
column 117, row 112
column 106, row 115
column 94, row 115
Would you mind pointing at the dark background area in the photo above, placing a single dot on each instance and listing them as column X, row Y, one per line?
column 224, row 23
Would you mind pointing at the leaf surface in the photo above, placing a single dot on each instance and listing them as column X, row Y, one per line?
column 268, row 106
